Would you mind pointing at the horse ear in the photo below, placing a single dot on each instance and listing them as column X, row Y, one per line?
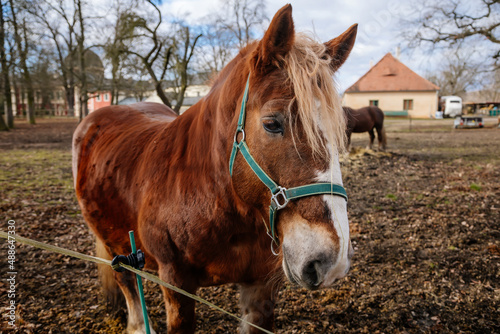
column 340, row 47
column 277, row 40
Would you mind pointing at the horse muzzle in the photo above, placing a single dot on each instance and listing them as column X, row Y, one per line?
column 313, row 260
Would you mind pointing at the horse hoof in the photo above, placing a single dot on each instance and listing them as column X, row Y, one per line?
column 140, row 331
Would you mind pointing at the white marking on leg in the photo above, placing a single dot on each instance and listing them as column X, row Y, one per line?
column 256, row 305
column 135, row 322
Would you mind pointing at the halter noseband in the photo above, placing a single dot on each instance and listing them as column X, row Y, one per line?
column 280, row 196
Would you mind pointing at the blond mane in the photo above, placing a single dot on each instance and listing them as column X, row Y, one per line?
column 318, row 103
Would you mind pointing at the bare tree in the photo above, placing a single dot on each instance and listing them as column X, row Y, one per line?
column 242, row 17
column 43, row 75
column 137, row 83
column 491, row 86
column 227, row 31
column 184, row 44
column 448, row 22
column 117, row 47
column 158, row 52
column 57, row 23
column 458, row 74
column 216, row 49
column 162, row 51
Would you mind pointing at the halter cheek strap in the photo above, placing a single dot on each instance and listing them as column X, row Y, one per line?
column 280, row 196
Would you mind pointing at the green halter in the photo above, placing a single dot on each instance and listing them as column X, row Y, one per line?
column 280, row 196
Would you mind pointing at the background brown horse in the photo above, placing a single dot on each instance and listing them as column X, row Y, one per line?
column 141, row 168
column 366, row 119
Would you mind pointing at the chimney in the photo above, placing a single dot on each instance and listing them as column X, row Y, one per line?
column 398, row 52
column 371, row 63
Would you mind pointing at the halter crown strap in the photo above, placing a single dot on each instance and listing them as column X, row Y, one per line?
column 280, row 196
column 240, row 128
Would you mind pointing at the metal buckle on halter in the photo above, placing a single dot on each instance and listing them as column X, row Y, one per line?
column 276, row 199
column 236, row 136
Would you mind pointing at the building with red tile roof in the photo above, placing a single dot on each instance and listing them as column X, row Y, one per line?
column 395, row 89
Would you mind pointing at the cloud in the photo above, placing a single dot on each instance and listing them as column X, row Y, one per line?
column 378, row 30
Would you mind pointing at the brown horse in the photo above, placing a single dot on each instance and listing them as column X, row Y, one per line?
column 199, row 223
column 366, row 119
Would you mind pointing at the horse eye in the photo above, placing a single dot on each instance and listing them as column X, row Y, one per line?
column 272, row 125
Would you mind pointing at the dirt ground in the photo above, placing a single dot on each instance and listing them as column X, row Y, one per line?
column 425, row 224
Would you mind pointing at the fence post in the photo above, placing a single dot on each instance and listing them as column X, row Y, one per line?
column 139, row 286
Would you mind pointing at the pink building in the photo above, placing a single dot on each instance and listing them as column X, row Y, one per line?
column 98, row 100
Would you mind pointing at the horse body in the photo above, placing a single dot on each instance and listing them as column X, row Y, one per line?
column 366, row 119
column 181, row 215
column 142, row 168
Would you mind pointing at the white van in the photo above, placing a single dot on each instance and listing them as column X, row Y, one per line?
column 451, row 106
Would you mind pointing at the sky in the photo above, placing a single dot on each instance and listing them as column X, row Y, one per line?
column 378, row 30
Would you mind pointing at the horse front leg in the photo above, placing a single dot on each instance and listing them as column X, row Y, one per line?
column 128, row 284
column 180, row 309
column 372, row 138
column 382, row 138
column 349, row 133
column 257, row 304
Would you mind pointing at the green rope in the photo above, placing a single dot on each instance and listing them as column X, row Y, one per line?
column 143, row 274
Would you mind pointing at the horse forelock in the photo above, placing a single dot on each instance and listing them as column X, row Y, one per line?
column 315, row 101
column 316, row 97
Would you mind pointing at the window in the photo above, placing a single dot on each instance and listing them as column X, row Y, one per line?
column 106, row 97
column 98, row 98
column 374, row 103
column 407, row 104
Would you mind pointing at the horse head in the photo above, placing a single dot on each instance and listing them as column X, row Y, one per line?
column 294, row 129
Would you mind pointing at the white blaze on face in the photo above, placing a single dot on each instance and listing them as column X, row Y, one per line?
column 338, row 210
column 337, row 206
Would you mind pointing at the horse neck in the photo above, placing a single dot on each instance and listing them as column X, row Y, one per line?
column 208, row 129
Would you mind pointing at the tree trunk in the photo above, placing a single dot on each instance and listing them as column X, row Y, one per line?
column 66, row 72
column 162, row 95
column 158, row 85
column 30, row 94
column 69, row 88
column 3, row 126
column 9, row 115
column 24, row 66
column 70, row 100
column 114, row 83
column 182, row 91
column 84, row 111
column 186, row 58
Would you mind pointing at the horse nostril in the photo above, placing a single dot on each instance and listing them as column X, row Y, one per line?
column 310, row 273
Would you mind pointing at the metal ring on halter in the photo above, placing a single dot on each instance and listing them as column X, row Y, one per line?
column 272, row 248
column 236, row 136
column 275, row 198
column 273, row 241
